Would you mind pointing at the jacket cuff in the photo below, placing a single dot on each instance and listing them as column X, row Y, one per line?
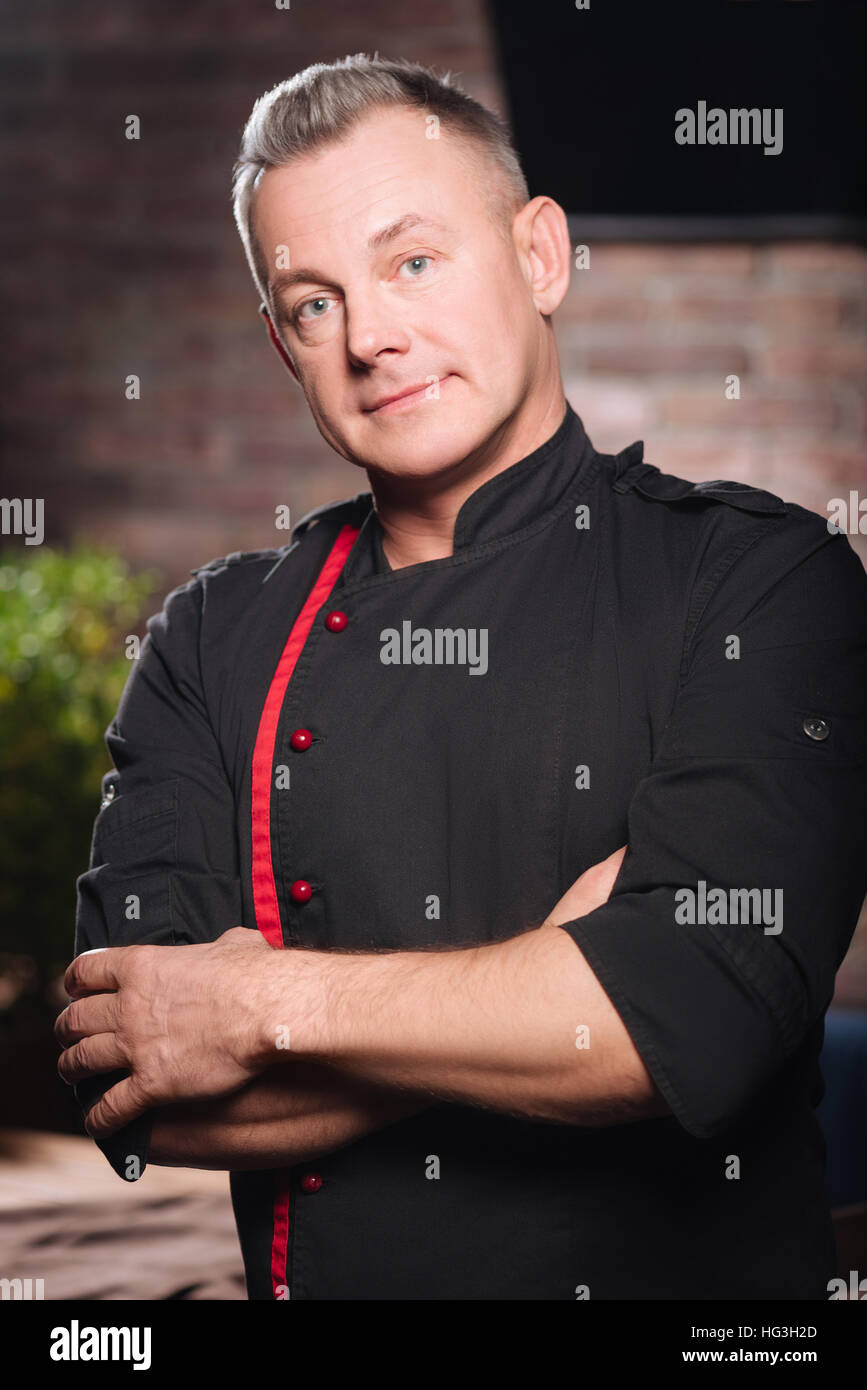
column 127, row 1149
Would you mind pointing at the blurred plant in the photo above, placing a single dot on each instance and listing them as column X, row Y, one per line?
column 64, row 616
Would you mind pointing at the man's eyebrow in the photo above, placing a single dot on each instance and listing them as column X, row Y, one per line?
column 400, row 225
column 375, row 242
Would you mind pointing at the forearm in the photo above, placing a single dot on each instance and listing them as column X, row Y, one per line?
column 521, row 1026
column 285, row 1116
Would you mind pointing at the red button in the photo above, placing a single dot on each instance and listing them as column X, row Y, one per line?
column 301, row 739
column 336, row 621
column 311, row 1182
column 301, row 892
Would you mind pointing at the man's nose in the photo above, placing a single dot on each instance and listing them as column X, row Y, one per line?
column 373, row 325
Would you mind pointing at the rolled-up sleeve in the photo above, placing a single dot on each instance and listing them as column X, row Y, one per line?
column 163, row 864
column 758, row 782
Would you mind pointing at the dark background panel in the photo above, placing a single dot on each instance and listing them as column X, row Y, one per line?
column 593, row 95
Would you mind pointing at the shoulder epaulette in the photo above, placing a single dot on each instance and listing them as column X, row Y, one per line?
column 645, row 478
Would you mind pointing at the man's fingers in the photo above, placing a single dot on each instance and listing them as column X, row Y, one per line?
column 598, row 879
column 608, row 869
column 90, row 1057
column 94, row 972
column 96, row 1013
column 117, row 1107
column 612, row 862
column 590, row 890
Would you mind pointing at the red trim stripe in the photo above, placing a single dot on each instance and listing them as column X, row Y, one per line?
column 280, row 1236
column 265, row 905
column 264, row 889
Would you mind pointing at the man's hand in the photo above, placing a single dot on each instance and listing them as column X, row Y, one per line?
column 184, row 1021
column 589, row 891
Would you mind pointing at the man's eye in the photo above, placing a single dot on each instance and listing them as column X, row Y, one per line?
column 318, row 306
column 414, row 261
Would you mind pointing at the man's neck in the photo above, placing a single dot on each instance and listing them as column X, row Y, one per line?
column 418, row 515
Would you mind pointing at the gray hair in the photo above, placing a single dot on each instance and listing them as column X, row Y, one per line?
column 320, row 104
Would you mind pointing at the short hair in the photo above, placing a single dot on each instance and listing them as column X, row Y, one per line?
column 319, row 105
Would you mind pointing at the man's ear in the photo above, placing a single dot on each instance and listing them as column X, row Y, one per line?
column 541, row 234
column 272, row 334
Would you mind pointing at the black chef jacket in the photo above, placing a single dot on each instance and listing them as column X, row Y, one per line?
column 612, row 711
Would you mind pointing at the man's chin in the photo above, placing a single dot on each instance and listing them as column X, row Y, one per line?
column 418, row 447
column 420, row 453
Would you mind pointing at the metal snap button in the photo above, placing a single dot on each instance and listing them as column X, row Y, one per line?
column 816, row 728
column 109, row 795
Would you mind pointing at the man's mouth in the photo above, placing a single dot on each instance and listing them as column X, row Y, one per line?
column 406, row 397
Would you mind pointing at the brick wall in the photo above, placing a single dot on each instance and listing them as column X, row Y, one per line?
column 650, row 335
column 123, row 259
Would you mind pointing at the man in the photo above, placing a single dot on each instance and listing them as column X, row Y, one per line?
column 352, row 775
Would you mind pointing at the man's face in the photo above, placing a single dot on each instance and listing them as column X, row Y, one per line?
column 443, row 305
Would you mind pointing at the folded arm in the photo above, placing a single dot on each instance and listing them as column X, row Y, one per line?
column 742, row 796
column 277, row 1120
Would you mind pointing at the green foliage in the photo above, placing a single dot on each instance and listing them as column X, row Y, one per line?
column 64, row 618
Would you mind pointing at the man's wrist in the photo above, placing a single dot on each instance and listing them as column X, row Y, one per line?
column 292, row 1009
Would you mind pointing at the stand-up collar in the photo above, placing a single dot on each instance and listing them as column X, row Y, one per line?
column 503, row 505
